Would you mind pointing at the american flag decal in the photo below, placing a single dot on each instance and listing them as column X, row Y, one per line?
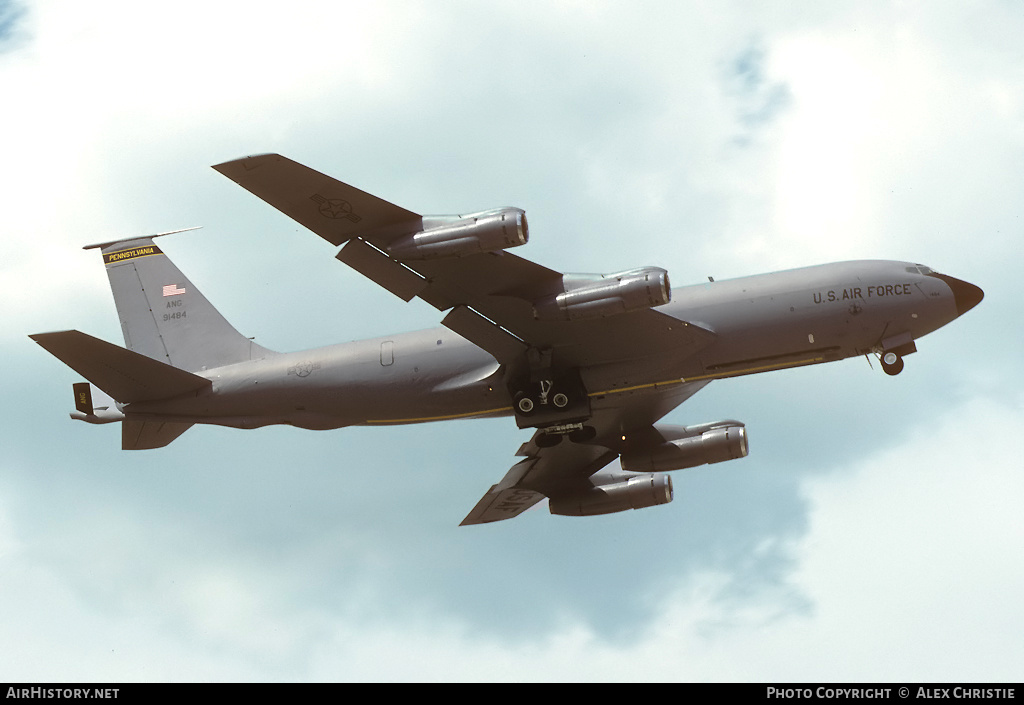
column 173, row 290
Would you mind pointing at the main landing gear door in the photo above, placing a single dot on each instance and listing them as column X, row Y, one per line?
column 550, row 400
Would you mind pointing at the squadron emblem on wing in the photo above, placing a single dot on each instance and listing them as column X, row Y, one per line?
column 335, row 208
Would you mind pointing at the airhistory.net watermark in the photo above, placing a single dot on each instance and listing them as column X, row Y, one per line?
column 63, row 693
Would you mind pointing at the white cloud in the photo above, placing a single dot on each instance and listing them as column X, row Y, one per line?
column 921, row 552
column 909, row 567
column 837, row 109
column 910, row 570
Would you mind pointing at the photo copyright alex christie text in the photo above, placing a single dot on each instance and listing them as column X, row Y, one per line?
column 831, row 693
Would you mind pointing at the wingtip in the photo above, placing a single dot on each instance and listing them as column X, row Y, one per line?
column 40, row 337
column 247, row 163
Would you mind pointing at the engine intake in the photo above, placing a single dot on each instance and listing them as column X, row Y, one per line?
column 599, row 296
column 617, row 494
column 474, row 234
column 688, row 447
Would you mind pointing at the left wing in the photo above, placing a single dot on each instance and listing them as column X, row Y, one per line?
column 332, row 210
column 492, row 296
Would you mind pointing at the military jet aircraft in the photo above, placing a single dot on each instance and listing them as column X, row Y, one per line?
column 592, row 362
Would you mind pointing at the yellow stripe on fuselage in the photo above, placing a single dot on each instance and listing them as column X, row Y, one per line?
column 652, row 385
column 448, row 417
column 762, row 368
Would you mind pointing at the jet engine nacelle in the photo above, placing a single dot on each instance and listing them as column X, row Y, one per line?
column 619, row 493
column 470, row 235
column 693, row 446
column 599, row 296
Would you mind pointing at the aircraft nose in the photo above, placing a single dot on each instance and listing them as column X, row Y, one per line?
column 966, row 295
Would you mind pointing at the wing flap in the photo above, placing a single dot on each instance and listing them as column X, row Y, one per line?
column 378, row 267
column 468, row 280
column 484, row 334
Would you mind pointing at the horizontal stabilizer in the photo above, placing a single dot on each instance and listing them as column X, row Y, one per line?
column 333, row 210
column 125, row 375
column 143, row 435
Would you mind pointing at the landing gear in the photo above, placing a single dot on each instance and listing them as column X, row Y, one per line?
column 545, row 398
column 524, row 404
column 545, row 394
column 892, row 363
column 550, row 436
column 557, row 405
column 892, row 350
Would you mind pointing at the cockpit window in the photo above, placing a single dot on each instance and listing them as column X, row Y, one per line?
column 920, row 269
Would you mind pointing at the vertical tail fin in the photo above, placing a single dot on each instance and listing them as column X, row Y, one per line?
column 83, row 397
column 163, row 315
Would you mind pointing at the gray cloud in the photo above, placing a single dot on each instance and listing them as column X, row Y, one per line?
column 11, row 15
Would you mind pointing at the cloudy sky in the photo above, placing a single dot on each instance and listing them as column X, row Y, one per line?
column 874, row 531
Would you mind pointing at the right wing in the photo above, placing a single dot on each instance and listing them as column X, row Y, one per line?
column 565, row 469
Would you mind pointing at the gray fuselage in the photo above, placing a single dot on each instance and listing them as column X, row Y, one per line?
column 760, row 323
